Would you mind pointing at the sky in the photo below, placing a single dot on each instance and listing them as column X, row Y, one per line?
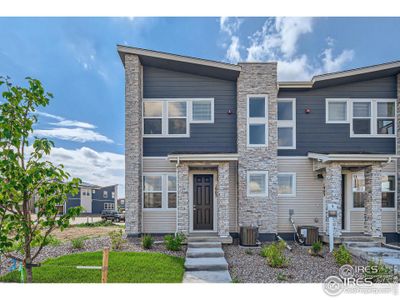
column 76, row 59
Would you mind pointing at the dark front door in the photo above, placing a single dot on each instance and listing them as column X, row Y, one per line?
column 203, row 202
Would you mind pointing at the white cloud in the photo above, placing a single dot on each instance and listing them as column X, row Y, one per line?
column 101, row 168
column 72, row 134
column 334, row 64
column 233, row 53
column 72, row 123
column 47, row 115
column 278, row 40
column 229, row 25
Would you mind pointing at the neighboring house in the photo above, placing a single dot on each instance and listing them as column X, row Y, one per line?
column 212, row 146
column 121, row 203
column 93, row 198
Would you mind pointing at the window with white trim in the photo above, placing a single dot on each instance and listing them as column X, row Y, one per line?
column 177, row 118
column 202, row 111
column 152, row 118
column 287, row 184
column 359, row 194
column 171, row 191
column 337, row 111
column 112, row 195
column 286, row 124
column 159, row 191
column 257, row 183
column 105, row 194
column 257, row 121
column 373, row 118
column 109, row 206
column 388, row 191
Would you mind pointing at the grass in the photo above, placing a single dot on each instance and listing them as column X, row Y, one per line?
column 124, row 267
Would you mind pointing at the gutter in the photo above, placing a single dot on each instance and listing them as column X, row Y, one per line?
column 177, row 194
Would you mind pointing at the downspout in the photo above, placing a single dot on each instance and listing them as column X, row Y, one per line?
column 177, row 195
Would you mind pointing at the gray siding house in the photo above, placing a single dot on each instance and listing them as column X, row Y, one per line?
column 211, row 147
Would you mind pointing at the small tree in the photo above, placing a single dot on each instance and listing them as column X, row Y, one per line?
column 24, row 173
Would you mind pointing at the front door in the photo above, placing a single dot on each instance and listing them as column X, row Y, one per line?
column 203, row 198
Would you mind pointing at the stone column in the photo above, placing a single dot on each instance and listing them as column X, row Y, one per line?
column 223, row 199
column 183, row 198
column 333, row 195
column 373, row 201
column 257, row 78
column 398, row 153
column 133, row 145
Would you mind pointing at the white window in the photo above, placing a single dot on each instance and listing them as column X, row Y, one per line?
column 159, row 191
column 257, row 183
column 109, row 206
column 105, row 194
column 93, row 191
column 177, row 118
column 286, row 124
column 287, row 184
column 388, row 191
column 358, row 185
column 373, row 118
column 112, row 195
column 337, row 111
column 257, row 120
column 202, row 111
column 152, row 118
column 171, row 191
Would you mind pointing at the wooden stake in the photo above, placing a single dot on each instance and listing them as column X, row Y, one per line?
column 104, row 270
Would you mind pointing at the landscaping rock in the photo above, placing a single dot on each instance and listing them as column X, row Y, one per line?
column 250, row 267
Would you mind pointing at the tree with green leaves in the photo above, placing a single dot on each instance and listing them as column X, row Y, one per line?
column 25, row 173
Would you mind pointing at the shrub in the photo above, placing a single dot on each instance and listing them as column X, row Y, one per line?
column 52, row 241
column 342, row 256
column 379, row 273
column 174, row 243
column 281, row 277
column 78, row 243
column 316, row 248
column 274, row 253
column 102, row 223
column 117, row 239
column 147, row 241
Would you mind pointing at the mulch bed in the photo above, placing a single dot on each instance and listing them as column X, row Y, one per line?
column 248, row 266
column 92, row 245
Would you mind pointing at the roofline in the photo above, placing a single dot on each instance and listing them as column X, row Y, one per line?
column 204, row 157
column 176, row 57
column 341, row 74
column 352, row 157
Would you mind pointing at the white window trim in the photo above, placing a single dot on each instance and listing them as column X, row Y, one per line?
column 373, row 118
column 164, row 116
column 105, row 194
column 330, row 100
column 289, row 123
column 294, row 187
column 211, row 100
column 249, row 173
column 107, row 204
column 255, row 121
column 172, row 191
column 164, row 191
column 352, row 208
column 395, row 192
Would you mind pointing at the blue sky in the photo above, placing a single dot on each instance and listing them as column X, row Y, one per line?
column 77, row 61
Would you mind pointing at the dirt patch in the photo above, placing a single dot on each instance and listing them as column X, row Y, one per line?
column 91, row 232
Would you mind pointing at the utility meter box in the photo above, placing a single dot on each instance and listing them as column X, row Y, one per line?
column 332, row 210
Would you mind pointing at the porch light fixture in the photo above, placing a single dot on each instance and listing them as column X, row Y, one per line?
column 307, row 110
column 229, row 112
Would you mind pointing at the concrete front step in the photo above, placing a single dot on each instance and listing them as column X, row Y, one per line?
column 207, row 277
column 204, row 239
column 204, row 252
column 204, row 244
column 362, row 244
column 206, row 264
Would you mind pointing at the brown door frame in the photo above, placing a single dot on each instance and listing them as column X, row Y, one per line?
column 191, row 198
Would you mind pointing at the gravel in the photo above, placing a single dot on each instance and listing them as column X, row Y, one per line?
column 247, row 266
column 91, row 245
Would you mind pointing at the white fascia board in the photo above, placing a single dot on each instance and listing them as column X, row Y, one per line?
column 203, row 157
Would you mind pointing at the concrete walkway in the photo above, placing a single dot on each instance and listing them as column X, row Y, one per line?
column 374, row 251
column 205, row 262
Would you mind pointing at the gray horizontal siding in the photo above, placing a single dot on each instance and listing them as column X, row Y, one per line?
column 218, row 137
column 313, row 134
column 73, row 203
column 98, row 205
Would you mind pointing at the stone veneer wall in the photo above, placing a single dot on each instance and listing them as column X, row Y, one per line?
column 333, row 195
column 257, row 78
column 183, row 198
column 373, row 201
column 223, row 199
column 133, row 144
column 398, row 153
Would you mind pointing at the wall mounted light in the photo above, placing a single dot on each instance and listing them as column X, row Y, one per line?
column 229, row 112
column 307, row 110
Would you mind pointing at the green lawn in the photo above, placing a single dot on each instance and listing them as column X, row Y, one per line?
column 124, row 267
